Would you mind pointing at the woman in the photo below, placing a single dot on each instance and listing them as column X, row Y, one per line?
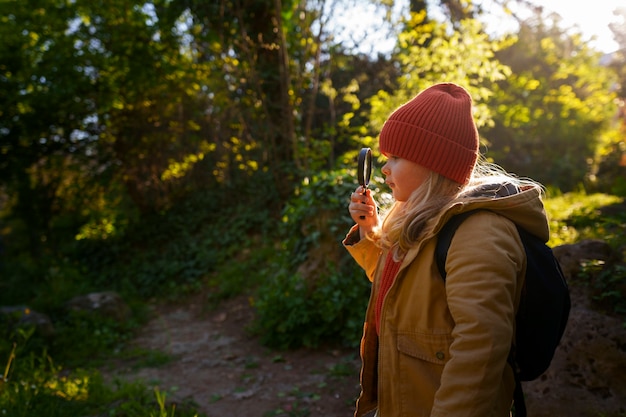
column 431, row 348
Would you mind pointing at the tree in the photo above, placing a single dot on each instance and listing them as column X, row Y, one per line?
column 551, row 112
column 432, row 52
column 127, row 106
column 618, row 58
column 45, row 107
column 96, row 96
column 610, row 169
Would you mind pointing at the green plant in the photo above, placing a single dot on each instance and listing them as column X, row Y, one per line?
column 294, row 408
column 242, row 271
column 85, row 338
column 607, row 284
column 162, row 406
column 215, row 398
column 578, row 215
column 344, row 368
column 610, row 288
column 292, row 312
column 313, row 292
column 34, row 385
column 145, row 358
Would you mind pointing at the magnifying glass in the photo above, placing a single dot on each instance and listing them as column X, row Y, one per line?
column 364, row 169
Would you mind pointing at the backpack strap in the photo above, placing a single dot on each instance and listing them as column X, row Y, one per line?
column 518, row 398
column 444, row 239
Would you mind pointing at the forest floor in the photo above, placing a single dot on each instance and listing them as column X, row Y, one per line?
column 223, row 371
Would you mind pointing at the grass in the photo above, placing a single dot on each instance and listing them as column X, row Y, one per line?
column 36, row 386
column 577, row 216
column 33, row 384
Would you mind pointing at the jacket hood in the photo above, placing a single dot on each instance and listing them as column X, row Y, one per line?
column 523, row 206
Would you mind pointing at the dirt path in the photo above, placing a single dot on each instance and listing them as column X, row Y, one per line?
column 224, row 372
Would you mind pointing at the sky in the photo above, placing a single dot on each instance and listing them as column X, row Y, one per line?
column 590, row 17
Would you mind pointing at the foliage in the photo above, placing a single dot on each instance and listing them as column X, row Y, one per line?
column 553, row 112
column 169, row 253
column 619, row 57
column 425, row 56
column 607, row 285
column 243, row 273
column 609, row 174
column 84, row 112
column 151, row 148
column 33, row 385
column 577, row 216
column 299, row 306
column 82, row 337
column 114, row 114
column 292, row 314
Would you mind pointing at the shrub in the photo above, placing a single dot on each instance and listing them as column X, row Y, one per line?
column 313, row 292
column 292, row 313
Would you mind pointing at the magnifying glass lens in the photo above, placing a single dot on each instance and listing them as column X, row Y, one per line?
column 365, row 169
column 365, row 166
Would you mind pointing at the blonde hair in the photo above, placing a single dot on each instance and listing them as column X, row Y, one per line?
column 406, row 222
column 485, row 173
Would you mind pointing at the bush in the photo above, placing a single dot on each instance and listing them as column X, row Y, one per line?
column 292, row 313
column 313, row 292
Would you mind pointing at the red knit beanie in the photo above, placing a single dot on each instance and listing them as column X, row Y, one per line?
column 435, row 130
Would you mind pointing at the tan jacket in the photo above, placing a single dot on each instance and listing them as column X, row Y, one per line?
column 443, row 349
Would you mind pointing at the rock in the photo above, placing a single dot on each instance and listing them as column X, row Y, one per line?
column 107, row 303
column 587, row 376
column 572, row 256
column 23, row 316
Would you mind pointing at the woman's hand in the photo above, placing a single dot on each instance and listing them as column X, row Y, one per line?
column 363, row 210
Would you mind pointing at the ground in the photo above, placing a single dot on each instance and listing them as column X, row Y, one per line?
column 224, row 371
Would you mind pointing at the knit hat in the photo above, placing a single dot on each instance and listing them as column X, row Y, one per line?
column 436, row 130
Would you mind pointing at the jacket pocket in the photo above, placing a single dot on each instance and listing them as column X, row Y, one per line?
column 421, row 360
column 433, row 348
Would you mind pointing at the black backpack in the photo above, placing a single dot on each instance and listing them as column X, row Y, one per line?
column 543, row 310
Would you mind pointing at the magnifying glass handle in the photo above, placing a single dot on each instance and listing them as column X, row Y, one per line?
column 364, row 170
column 362, row 217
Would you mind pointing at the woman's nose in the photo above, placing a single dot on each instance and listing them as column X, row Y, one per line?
column 385, row 170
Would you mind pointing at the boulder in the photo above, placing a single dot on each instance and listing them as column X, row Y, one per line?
column 572, row 256
column 24, row 316
column 107, row 303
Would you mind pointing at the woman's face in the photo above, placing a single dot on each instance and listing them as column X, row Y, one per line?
column 403, row 176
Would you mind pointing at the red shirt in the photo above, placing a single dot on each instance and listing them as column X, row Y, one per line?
column 390, row 270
